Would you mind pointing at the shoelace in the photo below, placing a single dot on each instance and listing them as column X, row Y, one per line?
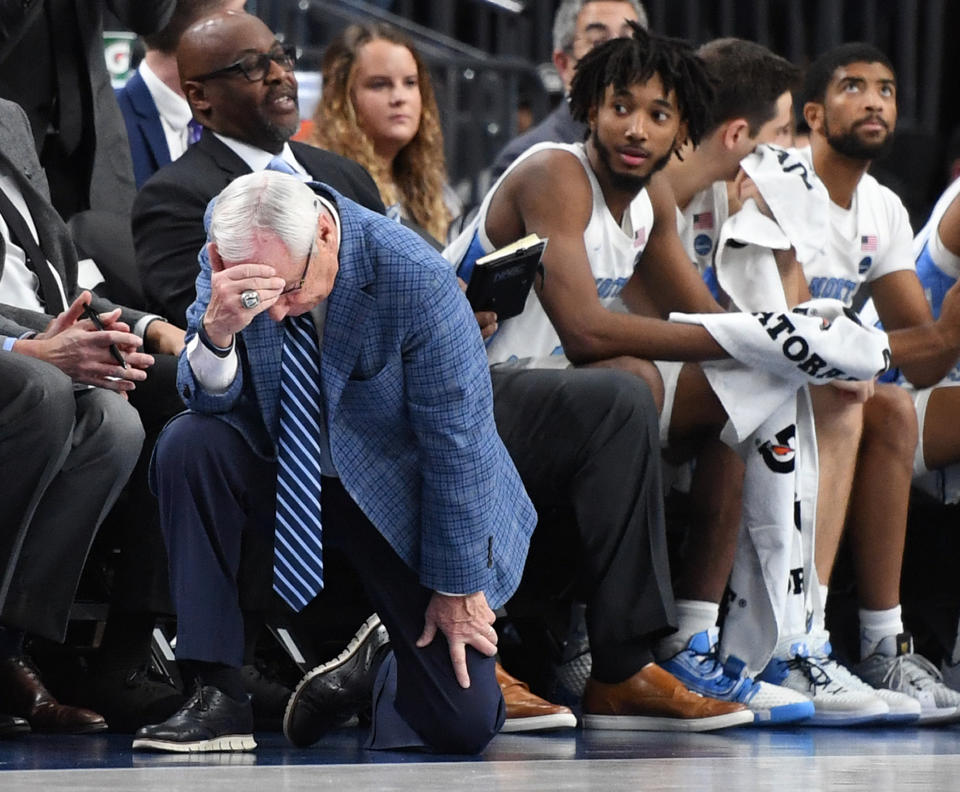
column 813, row 671
column 710, row 658
column 915, row 669
column 198, row 699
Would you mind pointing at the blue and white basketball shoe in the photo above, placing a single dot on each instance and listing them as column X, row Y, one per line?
column 698, row 667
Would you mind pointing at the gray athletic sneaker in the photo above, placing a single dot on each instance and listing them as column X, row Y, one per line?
column 910, row 673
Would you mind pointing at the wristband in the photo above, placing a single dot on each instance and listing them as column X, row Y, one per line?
column 219, row 351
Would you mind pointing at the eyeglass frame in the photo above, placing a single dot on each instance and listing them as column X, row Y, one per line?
column 298, row 284
column 264, row 59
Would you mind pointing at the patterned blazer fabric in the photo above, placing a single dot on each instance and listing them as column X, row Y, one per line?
column 408, row 408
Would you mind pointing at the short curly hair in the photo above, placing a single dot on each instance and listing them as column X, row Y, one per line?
column 820, row 71
column 622, row 62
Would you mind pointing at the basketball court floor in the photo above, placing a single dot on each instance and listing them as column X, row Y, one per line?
column 797, row 759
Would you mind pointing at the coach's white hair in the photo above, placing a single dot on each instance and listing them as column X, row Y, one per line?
column 264, row 201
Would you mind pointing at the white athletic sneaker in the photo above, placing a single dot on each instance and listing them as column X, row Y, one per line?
column 902, row 708
column 912, row 675
column 837, row 701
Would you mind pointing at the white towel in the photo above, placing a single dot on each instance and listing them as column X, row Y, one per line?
column 773, row 585
column 796, row 196
column 773, row 576
column 775, row 353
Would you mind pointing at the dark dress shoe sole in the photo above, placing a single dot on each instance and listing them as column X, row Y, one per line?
column 289, row 730
column 85, row 728
column 226, row 742
column 14, row 727
column 540, row 723
column 655, row 723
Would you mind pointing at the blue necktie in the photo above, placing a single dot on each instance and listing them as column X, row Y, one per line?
column 298, row 556
column 278, row 163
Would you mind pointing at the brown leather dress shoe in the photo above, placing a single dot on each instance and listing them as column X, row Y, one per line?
column 24, row 694
column 655, row 700
column 528, row 712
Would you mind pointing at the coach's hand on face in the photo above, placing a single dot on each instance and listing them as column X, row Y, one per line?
column 238, row 293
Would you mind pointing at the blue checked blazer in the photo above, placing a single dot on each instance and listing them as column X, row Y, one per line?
column 409, row 407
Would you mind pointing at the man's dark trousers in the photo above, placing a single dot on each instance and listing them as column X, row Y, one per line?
column 586, row 445
column 216, row 496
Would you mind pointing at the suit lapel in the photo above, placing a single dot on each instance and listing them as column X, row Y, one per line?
column 263, row 340
column 221, row 155
column 348, row 306
column 53, row 238
column 147, row 119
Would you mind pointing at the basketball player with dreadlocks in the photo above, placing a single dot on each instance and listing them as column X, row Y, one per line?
column 600, row 203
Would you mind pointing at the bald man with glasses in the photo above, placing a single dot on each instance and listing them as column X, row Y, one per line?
column 240, row 84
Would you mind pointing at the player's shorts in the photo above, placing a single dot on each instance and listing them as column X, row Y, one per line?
column 944, row 483
column 669, row 372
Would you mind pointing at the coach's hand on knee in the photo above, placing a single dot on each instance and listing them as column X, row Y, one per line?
column 465, row 620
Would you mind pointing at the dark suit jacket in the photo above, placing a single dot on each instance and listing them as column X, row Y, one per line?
column 168, row 213
column 18, row 159
column 27, row 76
column 558, row 127
column 148, row 144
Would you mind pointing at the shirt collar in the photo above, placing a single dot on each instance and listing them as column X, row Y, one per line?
column 256, row 158
column 170, row 105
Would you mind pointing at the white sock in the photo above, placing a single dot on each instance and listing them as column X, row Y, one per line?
column 819, row 623
column 693, row 616
column 875, row 627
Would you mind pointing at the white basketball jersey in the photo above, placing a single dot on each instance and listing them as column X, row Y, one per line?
column 867, row 241
column 699, row 223
column 529, row 339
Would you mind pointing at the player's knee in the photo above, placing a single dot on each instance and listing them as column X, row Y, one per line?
column 642, row 370
column 890, row 419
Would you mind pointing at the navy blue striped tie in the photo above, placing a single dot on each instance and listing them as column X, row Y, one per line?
column 298, row 556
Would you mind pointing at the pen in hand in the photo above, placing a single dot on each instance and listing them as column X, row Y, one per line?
column 93, row 316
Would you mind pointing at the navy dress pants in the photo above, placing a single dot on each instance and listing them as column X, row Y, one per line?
column 217, row 497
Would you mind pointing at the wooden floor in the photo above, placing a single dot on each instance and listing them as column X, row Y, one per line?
column 796, row 760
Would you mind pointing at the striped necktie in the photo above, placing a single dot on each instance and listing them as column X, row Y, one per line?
column 298, row 556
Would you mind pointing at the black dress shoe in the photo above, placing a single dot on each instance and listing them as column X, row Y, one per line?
column 131, row 698
column 335, row 691
column 24, row 695
column 268, row 697
column 209, row 721
column 11, row 726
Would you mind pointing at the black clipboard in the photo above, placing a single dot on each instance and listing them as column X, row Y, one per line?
column 501, row 280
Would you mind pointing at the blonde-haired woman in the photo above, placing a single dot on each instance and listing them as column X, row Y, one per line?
column 378, row 109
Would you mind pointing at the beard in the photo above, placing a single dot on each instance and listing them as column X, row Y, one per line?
column 627, row 182
column 850, row 144
column 277, row 131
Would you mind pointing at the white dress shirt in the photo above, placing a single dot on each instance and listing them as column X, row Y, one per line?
column 173, row 109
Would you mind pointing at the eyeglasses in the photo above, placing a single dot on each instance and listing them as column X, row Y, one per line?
column 255, row 66
column 591, row 41
column 297, row 284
